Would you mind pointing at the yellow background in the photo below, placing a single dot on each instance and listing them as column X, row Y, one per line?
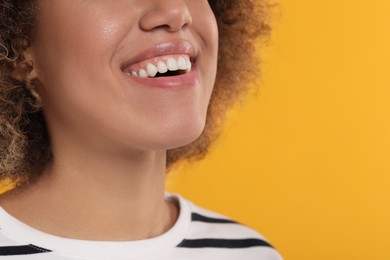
column 307, row 162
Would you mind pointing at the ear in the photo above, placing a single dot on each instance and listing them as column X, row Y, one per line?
column 27, row 71
column 28, row 66
column 24, row 66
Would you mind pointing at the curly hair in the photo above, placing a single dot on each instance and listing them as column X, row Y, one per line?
column 24, row 140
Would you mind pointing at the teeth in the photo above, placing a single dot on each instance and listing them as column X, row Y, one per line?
column 162, row 68
column 151, row 69
column 189, row 64
column 143, row 73
column 182, row 63
column 172, row 64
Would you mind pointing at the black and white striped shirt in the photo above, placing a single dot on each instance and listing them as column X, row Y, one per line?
column 197, row 234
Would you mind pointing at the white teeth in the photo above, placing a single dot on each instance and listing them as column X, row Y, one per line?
column 151, row 70
column 189, row 64
column 182, row 64
column 162, row 68
column 172, row 64
column 142, row 73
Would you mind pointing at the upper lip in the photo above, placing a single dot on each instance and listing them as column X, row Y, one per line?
column 165, row 48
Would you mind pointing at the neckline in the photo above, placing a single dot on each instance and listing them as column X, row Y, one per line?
column 24, row 233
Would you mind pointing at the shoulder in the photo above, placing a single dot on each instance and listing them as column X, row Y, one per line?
column 215, row 230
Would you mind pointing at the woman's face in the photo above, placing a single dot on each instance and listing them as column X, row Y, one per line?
column 96, row 60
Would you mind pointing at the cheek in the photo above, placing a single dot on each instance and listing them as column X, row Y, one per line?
column 72, row 59
column 70, row 52
column 80, row 26
column 205, row 21
column 206, row 28
column 89, row 34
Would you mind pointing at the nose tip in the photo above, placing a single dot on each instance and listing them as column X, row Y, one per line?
column 171, row 15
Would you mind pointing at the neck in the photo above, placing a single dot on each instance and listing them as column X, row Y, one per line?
column 92, row 196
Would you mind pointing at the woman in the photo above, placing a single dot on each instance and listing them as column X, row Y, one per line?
column 99, row 99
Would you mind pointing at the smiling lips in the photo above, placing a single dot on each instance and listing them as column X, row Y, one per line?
column 161, row 66
column 166, row 65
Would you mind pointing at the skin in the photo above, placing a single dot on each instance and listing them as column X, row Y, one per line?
column 109, row 135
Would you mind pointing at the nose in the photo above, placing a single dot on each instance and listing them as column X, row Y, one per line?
column 170, row 15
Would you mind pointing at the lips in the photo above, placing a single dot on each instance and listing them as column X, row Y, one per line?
column 169, row 64
column 167, row 48
column 166, row 65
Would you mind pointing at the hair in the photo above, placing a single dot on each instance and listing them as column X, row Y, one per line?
column 24, row 140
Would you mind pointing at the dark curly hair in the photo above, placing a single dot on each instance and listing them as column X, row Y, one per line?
column 24, row 141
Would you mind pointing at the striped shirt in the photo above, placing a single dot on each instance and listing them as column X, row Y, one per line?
column 197, row 234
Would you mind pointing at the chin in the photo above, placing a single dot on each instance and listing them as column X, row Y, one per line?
column 170, row 137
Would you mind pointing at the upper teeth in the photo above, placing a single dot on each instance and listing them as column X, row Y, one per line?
column 182, row 62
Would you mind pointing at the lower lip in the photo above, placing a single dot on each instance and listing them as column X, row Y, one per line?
column 187, row 80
